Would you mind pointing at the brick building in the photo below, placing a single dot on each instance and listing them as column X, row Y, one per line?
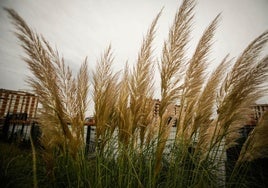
column 17, row 102
column 258, row 111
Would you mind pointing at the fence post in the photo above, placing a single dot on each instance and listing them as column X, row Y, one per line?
column 13, row 116
column 6, row 127
column 88, row 138
column 35, row 133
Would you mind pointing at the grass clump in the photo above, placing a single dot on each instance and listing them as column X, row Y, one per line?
column 133, row 143
column 15, row 166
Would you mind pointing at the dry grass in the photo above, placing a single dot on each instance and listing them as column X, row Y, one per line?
column 240, row 90
column 194, row 83
column 141, row 85
column 62, row 96
column 172, row 68
column 105, row 93
column 256, row 145
column 122, row 109
column 206, row 105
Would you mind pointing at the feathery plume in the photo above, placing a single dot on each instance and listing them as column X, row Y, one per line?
column 53, row 82
column 122, row 109
column 141, row 84
column 256, row 145
column 240, row 90
column 172, row 69
column 173, row 55
column 206, row 104
column 105, row 94
column 194, row 82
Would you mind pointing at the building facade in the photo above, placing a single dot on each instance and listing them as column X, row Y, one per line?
column 17, row 102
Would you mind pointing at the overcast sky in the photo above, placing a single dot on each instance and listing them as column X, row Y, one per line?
column 80, row 28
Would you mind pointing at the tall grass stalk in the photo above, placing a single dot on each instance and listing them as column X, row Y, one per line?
column 141, row 86
column 105, row 93
column 172, row 69
column 35, row 182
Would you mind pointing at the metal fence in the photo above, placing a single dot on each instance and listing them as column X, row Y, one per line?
column 18, row 128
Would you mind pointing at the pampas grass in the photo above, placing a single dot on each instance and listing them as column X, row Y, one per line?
column 193, row 83
column 172, row 68
column 131, row 135
column 141, row 85
column 256, row 145
column 240, row 90
column 122, row 109
column 173, row 57
column 203, row 120
column 62, row 96
column 105, row 94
